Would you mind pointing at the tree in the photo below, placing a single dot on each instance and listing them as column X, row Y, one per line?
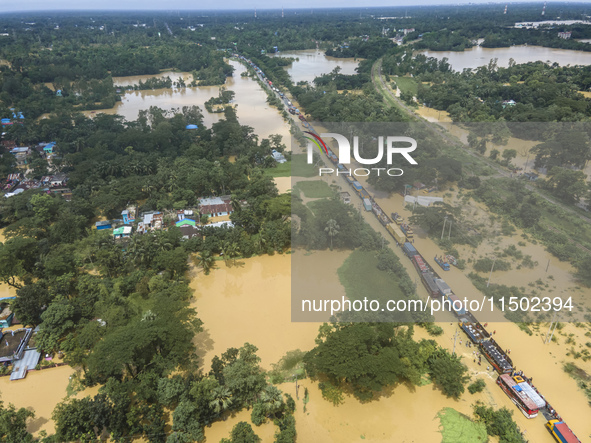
column 32, row 300
column 567, row 184
column 242, row 433
column 448, row 372
column 332, row 229
column 509, row 154
column 13, row 424
column 206, row 261
column 81, row 419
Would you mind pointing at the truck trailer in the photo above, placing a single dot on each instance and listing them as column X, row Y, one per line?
column 561, row 432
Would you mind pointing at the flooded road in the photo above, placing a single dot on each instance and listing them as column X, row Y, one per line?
column 478, row 56
column 313, row 63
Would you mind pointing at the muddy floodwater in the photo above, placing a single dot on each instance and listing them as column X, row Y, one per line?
column 251, row 303
column 252, row 108
column 478, row 56
column 312, row 63
column 40, row 392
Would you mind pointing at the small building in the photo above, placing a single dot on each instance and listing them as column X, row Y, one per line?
column 14, row 177
column 220, row 224
column 278, row 156
column 58, row 180
column 530, row 176
column 128, row 215
column 102, row 225
column 122, row 232
column 21, row 154
column 6, row 316
column 13, row 344
column 185, row 222
column 508, row 103
column 346, row 197
column 189, row 231
column 215, row 207
column 565, row 35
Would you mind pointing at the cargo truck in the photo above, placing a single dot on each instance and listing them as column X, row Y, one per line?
column 409, row 249
column 367, row 204
column 561, row 432
column 428, row 280
column 443, row 287
column 395, row 231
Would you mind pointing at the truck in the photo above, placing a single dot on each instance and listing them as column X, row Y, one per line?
column 395, row 232
column 428, row 280
column 456, row 305
column 343, row 170
column 302, row 118
column 561, row 432
column 473, row 328
column 397, row 218
column 409, row 249
column 357, row 186
column 441, row 262
column 367, row 204
column 363, row 193
column 443, row 287
column 407, row 230
column 419, row 263
column 349, row 179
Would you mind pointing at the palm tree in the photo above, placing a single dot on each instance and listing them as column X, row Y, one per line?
column 232, row 251
column 206, row 261
column 271, row 399
column 222, row 399
column 332, row 229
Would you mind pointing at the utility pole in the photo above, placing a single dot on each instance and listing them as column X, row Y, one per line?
column 491, row 271
column 548, row 265
column 449, row 235
column 455, row 338
column 554, row 323
column 443, row 230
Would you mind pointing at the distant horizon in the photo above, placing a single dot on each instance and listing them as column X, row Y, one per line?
column 62, row 6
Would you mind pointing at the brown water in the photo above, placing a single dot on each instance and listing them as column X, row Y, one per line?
column 250, row 303
column 478, row 56
column 40, row 392
column 313, row 63
column 283, row 184
column 252, row 108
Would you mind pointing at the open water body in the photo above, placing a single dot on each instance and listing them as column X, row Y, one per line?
column 478, row 56
column 312, row 63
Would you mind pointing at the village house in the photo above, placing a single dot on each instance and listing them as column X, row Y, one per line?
column 346, row 197
column 278, row 156
column 122, row 232
column 21, row 154
column 215, row 207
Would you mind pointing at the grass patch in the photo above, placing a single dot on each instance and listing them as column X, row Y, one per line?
column 457, row 428
column 361, row 277
column 300, row 167
column 314, row 189
column 281, row 170
column 407, row 85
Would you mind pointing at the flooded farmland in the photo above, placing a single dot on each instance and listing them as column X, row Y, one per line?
column 312, row 63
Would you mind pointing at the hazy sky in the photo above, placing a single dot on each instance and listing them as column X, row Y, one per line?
column 37, row 5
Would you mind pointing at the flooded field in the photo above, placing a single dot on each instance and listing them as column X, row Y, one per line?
column 252, row 108
column 251, row 303
column 313, row 63
column 40, row 392
column 283, row 184
column 478, row 56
